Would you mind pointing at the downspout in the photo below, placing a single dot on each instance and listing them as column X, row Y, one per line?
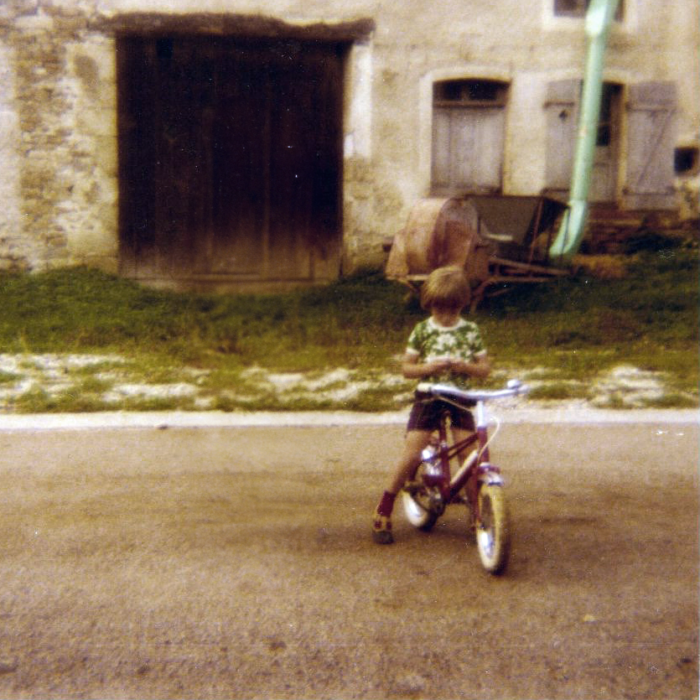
column 598, row 21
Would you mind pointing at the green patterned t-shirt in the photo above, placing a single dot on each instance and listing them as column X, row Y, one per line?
column 431, row 341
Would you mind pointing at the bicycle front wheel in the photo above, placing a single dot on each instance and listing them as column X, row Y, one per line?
column 493, row 529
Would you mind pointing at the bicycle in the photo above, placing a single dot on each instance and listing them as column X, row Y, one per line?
column 477, row 483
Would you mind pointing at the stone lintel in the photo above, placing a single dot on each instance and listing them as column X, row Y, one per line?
column 248, row 26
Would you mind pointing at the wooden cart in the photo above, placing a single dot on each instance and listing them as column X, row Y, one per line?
column 501, row 241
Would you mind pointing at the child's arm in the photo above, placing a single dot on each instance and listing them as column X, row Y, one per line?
column 412, row 369
column 480, row 367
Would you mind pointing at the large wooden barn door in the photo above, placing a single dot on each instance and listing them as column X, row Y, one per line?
column 230, row 159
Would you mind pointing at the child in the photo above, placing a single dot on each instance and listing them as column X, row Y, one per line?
column 445, row 349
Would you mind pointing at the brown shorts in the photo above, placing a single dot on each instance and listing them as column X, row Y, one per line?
column 425, row 415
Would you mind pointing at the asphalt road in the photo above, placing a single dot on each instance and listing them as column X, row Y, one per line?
column 237, row 563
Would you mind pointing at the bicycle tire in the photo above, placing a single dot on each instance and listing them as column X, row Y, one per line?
column 416, row 508
column 493, row 529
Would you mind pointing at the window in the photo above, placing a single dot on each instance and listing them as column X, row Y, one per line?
column 468, row 93
column 685, row 161
column 577, row 8
column 652, row 119
column 468, row 136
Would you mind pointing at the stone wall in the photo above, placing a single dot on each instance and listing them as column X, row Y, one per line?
column 59, row 113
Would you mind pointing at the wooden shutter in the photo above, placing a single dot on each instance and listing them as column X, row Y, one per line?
column 651, row 139
column 468, row 150
column 561, row 106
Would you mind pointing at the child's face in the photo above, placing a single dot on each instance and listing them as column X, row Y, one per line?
column 445, row 315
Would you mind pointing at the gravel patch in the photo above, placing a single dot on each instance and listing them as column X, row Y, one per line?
column 113, row 384
column 628, row 386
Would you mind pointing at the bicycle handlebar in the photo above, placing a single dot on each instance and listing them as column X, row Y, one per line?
column 514, row 388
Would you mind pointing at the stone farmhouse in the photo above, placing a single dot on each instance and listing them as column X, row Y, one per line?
column 263, row 144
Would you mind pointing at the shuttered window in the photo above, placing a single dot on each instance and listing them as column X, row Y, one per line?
column 468, row 136
column 562, row 110
column 650, row 150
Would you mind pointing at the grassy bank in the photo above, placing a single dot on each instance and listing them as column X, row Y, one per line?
column 570, row 330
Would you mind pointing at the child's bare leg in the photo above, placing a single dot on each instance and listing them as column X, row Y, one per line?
column 416, row 441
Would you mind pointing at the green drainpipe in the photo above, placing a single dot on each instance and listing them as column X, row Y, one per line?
column 598, row 20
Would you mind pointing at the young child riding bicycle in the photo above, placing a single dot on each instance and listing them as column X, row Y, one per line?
column 445, row 349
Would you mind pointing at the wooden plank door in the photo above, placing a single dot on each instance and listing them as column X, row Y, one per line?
column 562, row 111
column 230, row 158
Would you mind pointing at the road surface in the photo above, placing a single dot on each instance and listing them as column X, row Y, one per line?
column 236, row 562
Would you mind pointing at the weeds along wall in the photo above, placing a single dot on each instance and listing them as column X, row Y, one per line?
column 59, row 192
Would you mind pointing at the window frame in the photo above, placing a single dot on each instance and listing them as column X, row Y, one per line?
column 469, row 95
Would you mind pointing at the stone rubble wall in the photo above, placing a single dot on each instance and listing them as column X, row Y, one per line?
column 58, row 137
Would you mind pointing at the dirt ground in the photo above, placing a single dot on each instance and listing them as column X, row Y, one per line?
column 238, row 563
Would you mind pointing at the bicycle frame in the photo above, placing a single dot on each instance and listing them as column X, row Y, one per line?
column 476, row 483
column 477, row 466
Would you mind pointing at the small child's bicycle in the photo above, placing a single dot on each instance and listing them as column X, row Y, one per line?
column 476, row 483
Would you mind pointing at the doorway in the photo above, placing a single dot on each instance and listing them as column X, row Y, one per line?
column 605, row 161
column 230, row 160
column 562, row 112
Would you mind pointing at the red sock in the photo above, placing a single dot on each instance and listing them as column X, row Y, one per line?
column 386, row 505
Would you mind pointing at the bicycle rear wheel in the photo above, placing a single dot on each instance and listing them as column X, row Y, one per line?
column 493, row 529
column 418, row 505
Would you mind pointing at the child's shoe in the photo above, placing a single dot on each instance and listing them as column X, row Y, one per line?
column 381, row 529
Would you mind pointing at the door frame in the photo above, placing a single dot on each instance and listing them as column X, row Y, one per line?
column 605, row 188
column 352, row 34
column 425, row 115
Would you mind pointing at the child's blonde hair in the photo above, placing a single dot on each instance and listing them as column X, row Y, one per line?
column 447, row 287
